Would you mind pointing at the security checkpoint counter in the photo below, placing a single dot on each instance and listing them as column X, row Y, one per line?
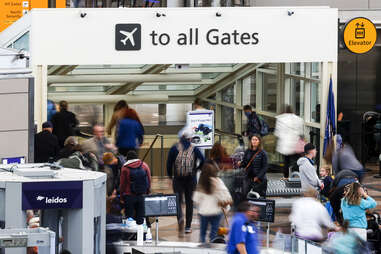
column 72, row 204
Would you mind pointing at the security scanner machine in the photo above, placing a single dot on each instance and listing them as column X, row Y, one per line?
column 42, row 238
column 72, row 203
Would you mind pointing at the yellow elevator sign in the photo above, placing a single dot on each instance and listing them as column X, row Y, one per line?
column 360, row 35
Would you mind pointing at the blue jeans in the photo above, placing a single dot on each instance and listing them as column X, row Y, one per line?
column 214, row 221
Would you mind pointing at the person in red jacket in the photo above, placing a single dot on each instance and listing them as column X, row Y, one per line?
column 135, row 181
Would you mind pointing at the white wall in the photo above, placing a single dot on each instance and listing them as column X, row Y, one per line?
column 341, row 4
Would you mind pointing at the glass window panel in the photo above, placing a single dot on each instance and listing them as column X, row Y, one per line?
column 148, row 113
column 298, row 88
column 228, row 124
column 249, row 91
column 315, row 102
column 315, row 70
column 88, row 115
column 269, row 92
column 228, row 94
column 22, row 42
column 176, row 113
column 297, row 69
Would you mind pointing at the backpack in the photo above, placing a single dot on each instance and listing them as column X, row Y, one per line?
column 184, row 163
column 138, row 180
column 264, row 127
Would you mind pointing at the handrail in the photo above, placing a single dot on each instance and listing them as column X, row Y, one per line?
column 151, row 146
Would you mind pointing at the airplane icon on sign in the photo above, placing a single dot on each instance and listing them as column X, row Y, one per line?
column 39, row 198
column 129, row 37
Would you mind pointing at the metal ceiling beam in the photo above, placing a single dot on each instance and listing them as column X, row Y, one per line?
column 120, row 70
column 124, row 78
column 149, row 69
column 241, row 72
column 60, row 69
column 103, row 99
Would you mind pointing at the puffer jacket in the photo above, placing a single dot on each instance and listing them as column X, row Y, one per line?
column 288, row 129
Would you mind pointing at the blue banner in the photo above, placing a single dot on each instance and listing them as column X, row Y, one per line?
column 52, row 195
column 330, row 123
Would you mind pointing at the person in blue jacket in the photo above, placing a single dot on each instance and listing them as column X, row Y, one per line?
column 354, row 205
column 130, row 132
column 243, row 235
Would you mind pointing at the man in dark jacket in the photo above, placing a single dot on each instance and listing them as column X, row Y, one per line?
column 133, row 185
column 64, row 123
column 253, row 122
column 182, row 167
column 46, row 146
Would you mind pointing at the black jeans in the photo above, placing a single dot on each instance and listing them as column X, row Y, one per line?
column 289, row 161
column 185, row 186
column 134, row 206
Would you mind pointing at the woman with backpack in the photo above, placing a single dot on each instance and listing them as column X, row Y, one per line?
column 255, row 164
column 354, row 205
column 211, row 196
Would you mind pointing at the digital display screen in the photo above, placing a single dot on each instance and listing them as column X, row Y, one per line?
column 13, row 160
column 161, row 205
column 267, row 209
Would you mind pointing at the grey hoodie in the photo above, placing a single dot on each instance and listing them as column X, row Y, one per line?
column 308, row 175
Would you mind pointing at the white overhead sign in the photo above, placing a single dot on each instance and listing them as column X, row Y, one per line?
column 183, row 35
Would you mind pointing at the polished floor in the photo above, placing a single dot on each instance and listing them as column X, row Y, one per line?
column 168, row 225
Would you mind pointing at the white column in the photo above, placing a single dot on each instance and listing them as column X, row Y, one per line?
column 40, row 72
column 238, row 101
column 175, row 3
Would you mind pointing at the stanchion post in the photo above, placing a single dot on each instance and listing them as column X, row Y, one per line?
column 268, row 235
column 157, row 231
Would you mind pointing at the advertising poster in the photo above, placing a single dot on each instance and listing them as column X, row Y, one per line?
column 202, row 124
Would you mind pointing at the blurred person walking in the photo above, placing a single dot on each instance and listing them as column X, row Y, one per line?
column 307, row 170
column 244, row 236
column 64, row 123
column 219, row 156
column 345, row 158
column 255, row 163
column 130, row 132
column 354, row 205
column 211, row 196
column 184, row 159
column 119, row 109
column 46, row 146
column 289, row 129
column 98, row 144
column 308, row 216
column 346, row 242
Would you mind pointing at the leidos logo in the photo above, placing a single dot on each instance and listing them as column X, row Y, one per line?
column 52, row 200
column 128, row 36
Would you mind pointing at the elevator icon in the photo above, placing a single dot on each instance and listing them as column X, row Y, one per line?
column 359, row 31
